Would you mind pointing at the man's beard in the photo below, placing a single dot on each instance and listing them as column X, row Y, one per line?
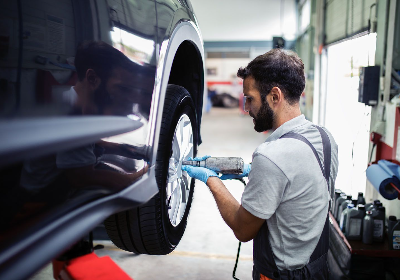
column 264, row 119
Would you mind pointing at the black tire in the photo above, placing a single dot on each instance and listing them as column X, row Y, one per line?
column 148, row 228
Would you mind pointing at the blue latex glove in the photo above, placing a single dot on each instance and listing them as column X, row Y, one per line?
column 200, row 173
column 246, row 171
column 199, row 158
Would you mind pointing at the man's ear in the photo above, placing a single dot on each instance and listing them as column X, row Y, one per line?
column 276, row 95
column 92, row 78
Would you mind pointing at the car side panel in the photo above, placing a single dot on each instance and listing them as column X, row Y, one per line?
column 74, row 147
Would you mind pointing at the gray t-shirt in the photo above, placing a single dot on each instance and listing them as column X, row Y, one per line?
column 287, row 188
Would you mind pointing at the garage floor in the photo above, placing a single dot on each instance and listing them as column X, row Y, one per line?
column 208, row 248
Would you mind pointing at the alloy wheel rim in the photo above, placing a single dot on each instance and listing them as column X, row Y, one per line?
column 178, row 181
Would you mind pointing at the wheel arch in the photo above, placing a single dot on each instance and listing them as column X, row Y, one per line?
column 184, row 47
column 188, row 71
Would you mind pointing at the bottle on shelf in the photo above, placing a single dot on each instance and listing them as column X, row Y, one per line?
column 343, row 206
column 361, row 208
column 339, row 201
column 355, row 216
column 391, row 222
column 336, row 196
column 394, row 233
column 368, row 228
column 360, row 198
column 344, row 216
column 369, row 206
column 378, row 214
column 396, row 236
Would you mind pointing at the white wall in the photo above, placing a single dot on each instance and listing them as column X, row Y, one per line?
column 226, row 70
column 226, row 67
column 250, row 20
column 346, row 118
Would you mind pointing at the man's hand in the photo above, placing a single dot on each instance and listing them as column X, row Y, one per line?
column 200, row 173
column 245, row 226
column 246, row 171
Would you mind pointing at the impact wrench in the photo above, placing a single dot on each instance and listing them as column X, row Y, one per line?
column 223, row 165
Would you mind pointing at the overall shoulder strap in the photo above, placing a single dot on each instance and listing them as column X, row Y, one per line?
column 318, row 256
column 326, row 147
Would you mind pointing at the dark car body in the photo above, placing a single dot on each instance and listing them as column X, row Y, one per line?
column 47, row 127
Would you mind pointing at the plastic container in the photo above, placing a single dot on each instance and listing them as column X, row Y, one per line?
column 395, row 234
column 354, row 221
column 368, row 206
column 360, row 198
column 367, row 228
column 337, row 193
column 339, row 201
column 391, row 222
column 343, row 217
column 378, row 214
column 361, row 208
column 343, row 206
column 336, row 196
column 376, row 205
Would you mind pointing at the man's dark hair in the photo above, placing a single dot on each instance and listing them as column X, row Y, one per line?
column 99, row 56
column 277, row 68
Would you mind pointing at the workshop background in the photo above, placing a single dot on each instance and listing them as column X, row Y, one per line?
column 334, row 38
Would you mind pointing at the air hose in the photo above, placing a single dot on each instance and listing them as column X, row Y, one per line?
column 236, row 263
column 240, row 243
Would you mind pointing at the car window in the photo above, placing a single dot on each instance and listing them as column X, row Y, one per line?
column 76, row 85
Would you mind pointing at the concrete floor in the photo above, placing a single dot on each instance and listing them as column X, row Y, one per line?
column 208, row 248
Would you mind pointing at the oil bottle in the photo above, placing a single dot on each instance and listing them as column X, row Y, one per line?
column 394, row 233
column 368, row 228
column 339, row 201
column 360, row 198
column 343, row 206
column 337, row 195
column 396, row 236
column 354, row 221
column 378, row 214
column 344, row 216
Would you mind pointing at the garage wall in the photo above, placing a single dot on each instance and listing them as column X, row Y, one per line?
column 382, row 117
column 304, row 47
column 223, row 59
column 221, row 75
column 345, row 18
column 236, row 31
column 250, row 20
column 347, row 119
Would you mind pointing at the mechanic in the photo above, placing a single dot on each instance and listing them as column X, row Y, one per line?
column 284, row 207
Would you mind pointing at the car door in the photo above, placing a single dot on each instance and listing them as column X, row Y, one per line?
column 76, row 90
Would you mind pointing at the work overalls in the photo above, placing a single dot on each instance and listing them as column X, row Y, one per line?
column 317, row 268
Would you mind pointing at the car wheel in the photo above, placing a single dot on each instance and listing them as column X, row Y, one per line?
column 157, row 227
